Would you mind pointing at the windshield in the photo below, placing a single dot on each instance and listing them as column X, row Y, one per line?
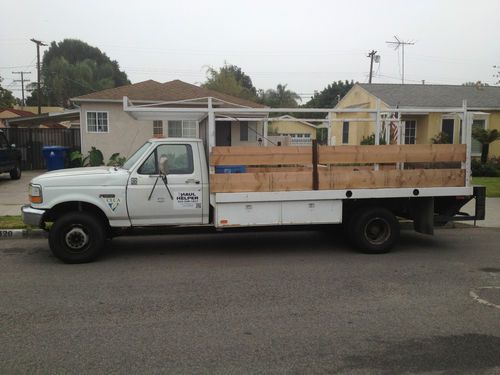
column 136, row 156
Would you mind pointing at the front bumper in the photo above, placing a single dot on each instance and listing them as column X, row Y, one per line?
column 32, row 216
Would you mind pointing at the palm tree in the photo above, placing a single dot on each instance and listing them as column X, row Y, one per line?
column 281, row 97
column 485, row 137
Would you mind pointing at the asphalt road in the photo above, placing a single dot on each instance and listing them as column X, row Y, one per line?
column 293, row 302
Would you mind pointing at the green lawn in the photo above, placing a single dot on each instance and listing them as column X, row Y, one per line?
column 492, row 185
column 12, row 222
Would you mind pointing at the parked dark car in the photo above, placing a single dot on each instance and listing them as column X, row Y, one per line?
column 10, row 158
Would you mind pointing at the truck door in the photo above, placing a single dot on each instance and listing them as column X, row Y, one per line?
column 181, row 202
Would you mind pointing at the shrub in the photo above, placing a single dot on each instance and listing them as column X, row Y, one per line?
column 489, row 169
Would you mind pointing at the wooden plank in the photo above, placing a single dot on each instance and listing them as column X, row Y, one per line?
column 366, row 154
column 239, row 182
column 261, row 155
column 418, row 178
column 335, row 179
column 291, row 181
column 258, row 182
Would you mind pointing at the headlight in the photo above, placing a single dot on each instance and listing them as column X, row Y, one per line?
column 35, row 192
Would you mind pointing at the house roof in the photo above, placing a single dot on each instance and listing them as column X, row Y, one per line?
column 435, row 95
column 162, row 92
column 288, row 117
column 18, row 112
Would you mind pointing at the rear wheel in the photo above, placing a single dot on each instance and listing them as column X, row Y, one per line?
column 77, row 237
column 374, row 230
column 15, row 173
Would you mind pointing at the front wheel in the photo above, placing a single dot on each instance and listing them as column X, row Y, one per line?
column 15, row 173
column 374, row 230
column 77, row 237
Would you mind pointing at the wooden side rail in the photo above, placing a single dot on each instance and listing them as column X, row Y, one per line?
column 254, row 155
column 392, row 154
column 366, row 154
column 362, row 179
column 326, row 167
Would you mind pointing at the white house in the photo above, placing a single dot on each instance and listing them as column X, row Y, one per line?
column 106, row 126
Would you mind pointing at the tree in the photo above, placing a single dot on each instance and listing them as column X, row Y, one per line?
column 7, row 100
column 279, row 97
column 231, row 80
column 71, row 68
column 330, row 95
column 485, row 137
column 476, row 84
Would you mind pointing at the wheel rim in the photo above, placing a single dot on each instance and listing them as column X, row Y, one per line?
column 76, row 239
column 377, row 230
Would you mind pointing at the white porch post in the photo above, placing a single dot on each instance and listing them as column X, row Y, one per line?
column 266, row 128
column 467, row 134
column 329, row 130
column 377, row 130
column 211, row 125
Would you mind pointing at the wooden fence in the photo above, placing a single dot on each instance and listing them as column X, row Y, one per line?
column 338, row 167
column 31, row 141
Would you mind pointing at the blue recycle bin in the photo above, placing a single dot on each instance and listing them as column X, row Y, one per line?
column 54, row 157
column 230, row 169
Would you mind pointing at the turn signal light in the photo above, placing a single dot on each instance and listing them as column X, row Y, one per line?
column 35, row 199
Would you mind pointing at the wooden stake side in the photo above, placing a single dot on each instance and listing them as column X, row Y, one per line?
column 391, row 153
column 331, row 180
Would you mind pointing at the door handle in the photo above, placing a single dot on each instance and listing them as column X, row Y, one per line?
column 192, row 181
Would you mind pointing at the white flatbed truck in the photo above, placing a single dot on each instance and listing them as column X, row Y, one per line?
column 168, row 184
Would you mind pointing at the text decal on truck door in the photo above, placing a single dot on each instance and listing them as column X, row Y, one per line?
column 187, row 200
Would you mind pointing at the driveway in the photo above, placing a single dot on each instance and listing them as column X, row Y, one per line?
column 254, row 303
column 14, row 193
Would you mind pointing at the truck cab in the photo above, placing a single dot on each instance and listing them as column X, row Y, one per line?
column 164, row 183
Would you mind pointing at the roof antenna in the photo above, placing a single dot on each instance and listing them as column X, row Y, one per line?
column 398, row 43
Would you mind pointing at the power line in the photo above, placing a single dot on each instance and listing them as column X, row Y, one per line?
column 372, row 56
column 401, row 43
column 22, row 80
column 38, row 44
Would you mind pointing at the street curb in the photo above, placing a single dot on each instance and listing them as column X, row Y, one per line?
column 7, row 234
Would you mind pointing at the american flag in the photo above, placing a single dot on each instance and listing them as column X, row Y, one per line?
column 393, row 127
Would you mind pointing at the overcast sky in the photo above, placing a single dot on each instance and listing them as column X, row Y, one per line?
column 306, row 44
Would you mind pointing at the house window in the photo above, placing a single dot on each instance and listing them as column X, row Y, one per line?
column 158, row 128
column 448, row 129
column 97, row 122
column 182, row 129
column 410, row 132
column 475, row 145
column 244, row 131
column 345, row 132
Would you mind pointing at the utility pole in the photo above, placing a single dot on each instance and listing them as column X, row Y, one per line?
column 38, row 44
column 371, row 55
column 401, row 43
column 22, row 80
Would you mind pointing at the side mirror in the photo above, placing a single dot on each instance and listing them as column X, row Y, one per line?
column 13, row 145
column 163, row 165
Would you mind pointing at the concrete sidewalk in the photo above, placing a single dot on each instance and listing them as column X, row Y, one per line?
column 492, row 219
column 14, row 193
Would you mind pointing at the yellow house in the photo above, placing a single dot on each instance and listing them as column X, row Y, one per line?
column 483, row 102
column 300, row 132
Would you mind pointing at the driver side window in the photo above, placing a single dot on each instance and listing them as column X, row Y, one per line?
column 179, row 160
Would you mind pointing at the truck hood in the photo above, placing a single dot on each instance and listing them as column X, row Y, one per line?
column 86, row 176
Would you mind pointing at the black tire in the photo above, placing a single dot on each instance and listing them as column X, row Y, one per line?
column 77, row 237
column 15, row 173
column 373, row 230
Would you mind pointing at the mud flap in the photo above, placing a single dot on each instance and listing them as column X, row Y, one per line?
column 423, row 214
